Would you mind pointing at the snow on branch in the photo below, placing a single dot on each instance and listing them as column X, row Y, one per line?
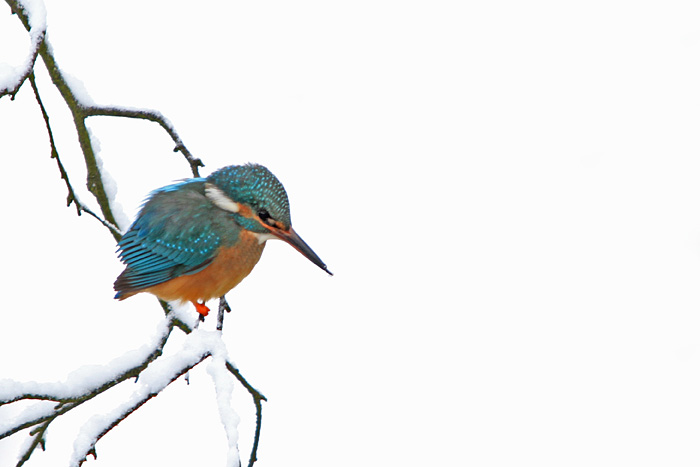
column 197, row 346
column 72, row 197
column 81, row 386
column 153, row 373
column 229, row 418
column 32, row 15
column 35, row 22
column 46, row 402
column 91, row 380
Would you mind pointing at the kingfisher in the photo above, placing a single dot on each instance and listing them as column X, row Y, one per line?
column 197, row 239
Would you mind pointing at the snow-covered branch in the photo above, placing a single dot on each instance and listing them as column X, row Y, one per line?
column 81, row 386
column 153, row 373
column 198, row 346
column 87, row 382
column 223, row 384
column 33, row 16
column 46, row 402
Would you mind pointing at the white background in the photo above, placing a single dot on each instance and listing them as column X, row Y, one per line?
column 508, row 193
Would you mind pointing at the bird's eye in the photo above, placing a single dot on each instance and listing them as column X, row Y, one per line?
column 264, row 216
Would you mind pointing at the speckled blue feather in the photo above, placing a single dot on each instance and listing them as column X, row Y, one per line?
column 177, row 232
column 255, row 186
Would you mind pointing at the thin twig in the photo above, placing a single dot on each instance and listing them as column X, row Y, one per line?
column 181, row 325
column 36, row 421
column 94, row 177
column 153, row 116
column 257, row 400
column 223, row 308
column 38, row 434
column 72, row 198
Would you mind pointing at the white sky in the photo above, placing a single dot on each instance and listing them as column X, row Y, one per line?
column 506, row 191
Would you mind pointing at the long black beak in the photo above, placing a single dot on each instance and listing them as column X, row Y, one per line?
column 300, row 245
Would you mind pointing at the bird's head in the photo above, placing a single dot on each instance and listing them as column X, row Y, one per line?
column 259, row 203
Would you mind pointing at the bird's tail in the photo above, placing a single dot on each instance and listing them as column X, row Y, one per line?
column 124, row 286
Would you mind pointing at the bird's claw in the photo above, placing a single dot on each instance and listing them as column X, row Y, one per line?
column 201, row 308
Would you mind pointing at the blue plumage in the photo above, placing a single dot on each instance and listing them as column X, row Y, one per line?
column 176, row 233
column 188, row 241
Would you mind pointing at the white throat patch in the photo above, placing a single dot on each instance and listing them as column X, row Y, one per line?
column 263, row 237
column 219, row 198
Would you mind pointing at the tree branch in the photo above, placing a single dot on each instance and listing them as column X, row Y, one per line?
column 37, row 33
column 63, row 395
column 223, row 307
column 257, row 400
column 94, row 178
column 19, row 426
column 81, row 452
column 72, row 197
column 153, row 116
column 38, row 439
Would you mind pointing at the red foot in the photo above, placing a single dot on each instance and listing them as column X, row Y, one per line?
column 201, row 308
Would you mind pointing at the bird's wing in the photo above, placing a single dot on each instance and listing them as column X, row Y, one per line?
column 177, row 232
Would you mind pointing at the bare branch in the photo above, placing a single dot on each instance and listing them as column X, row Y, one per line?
column 223, row 307
column 257, row 400
column 72, row 197
column 153, row 116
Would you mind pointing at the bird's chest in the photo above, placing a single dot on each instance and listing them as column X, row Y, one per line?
column 233, row 263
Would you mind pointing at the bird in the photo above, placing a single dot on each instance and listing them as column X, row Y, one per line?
column 197, row 239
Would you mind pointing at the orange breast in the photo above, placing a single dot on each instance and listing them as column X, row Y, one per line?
column 229, row 268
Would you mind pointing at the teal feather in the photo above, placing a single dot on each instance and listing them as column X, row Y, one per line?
column 257, row 187
column 179, row 230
